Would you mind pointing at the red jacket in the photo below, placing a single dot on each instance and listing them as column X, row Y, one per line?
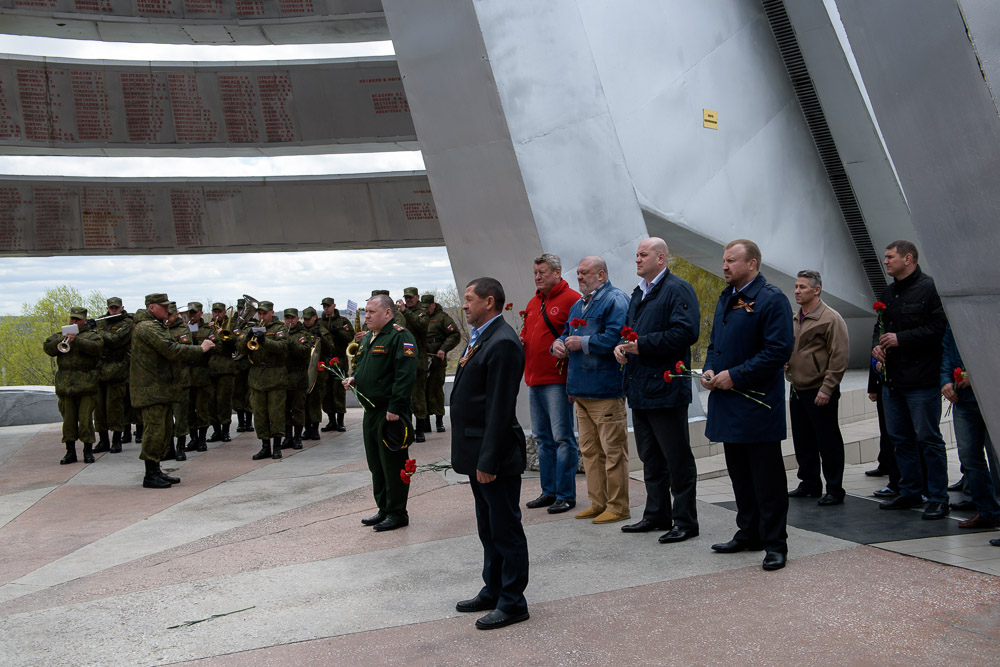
column 539, row 365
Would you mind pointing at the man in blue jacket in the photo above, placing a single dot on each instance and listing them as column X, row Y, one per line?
column 752, row 339
column 664, row 314
column 594, row 381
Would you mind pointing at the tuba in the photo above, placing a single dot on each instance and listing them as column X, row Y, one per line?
column 352, row 352
column 243, row 317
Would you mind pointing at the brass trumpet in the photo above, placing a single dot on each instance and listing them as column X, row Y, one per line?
column 63, row 345
column 352, row 352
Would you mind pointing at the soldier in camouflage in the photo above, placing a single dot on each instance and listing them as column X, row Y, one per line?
column 416, row 322
column 341, row 333
column 202, row 397
column 180, row 410
column 222, row 370
column 241, row 389
column 268, row 378
column 156, row 364
column 314, row 399
column 443, row 336
column 76, row 383
column 112, row 411
column 300, row 344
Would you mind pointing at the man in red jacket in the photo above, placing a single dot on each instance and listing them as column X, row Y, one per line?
column 551, row 411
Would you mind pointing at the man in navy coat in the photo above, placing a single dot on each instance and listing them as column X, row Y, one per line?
column 752, row 339
column 488, row 445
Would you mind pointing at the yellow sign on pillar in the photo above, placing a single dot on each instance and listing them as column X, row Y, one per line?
column 710, row 118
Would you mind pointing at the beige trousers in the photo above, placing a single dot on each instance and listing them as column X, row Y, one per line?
column 604, row 446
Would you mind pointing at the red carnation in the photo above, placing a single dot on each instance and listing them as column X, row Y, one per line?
column 632, row 336
column 410, row 466
column 404, row 476
column 667, row 377
column 335, row 361
column 523, row 313
column 321, row 366
column 509, row 306
column 878, row 305
column 679, row 368
column 576, row 323
column 958, row 374
column 626, row 331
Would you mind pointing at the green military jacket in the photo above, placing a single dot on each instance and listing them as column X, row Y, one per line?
column 386, row 368
column 157, row 358
column 76, row 371
column 182, row 371
column 116, row 332
column 200, row 374
column 223, row 361
column 341, row 331
column 300, row 343
column 442, row 332
column 267, row 372
column 416, row 321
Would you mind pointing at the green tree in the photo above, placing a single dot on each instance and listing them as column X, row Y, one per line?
column 22, row 361
column 707, row 286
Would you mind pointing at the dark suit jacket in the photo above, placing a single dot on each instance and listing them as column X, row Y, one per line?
column 485, row 434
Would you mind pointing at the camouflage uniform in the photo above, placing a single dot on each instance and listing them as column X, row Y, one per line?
column 442, row 334
column 340, row 333
column 300, row 344
column 112, row 411
column 416, row 321
column 267, row 381
column 314, row 399
column 180, row 333
column 222, row 369
column 241, row 390
column 154, row 379
column 202, row 395
column 77, row 385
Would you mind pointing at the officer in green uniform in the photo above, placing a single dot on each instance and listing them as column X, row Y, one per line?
column 341, row 334
column 416, row 321
column 202, row 398
column 300, row 344
column 385, row 369
column 156, row 363
column 111, row 412
column 241, row 390
column 443, row 336
column 314, row 399
column 179, row 332
column 222, row 370
column 267, row 347
column 76, row 383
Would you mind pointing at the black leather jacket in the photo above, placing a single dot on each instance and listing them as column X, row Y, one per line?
column 915, row 314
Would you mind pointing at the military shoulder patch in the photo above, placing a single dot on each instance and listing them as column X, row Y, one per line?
column 408, row 350
column 280, row 334
column 184, row 338
column 302, row 340
column 450, row 327
column 397, row 327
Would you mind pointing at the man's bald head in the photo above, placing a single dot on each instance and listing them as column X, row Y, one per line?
column 651, row 257
column 591, row 273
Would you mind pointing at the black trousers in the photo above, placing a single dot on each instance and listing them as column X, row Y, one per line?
column 505, row 548
column 818, row 442
column 886, row 450
column 664, row 446
column 758, row 475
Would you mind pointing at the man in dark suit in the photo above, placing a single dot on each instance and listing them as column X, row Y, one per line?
column 487, row 444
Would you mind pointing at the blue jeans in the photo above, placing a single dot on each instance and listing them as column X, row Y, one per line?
column 974, row 449
column 552, row 429
column 912, row 417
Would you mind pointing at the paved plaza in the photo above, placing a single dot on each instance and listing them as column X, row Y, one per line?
column 269, row 557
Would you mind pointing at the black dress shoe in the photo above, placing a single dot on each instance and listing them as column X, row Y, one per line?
column 735, row 546
column 995, row 542
column 477, row 603
column 963, row 506
column 901, row 503
column 541, row 501
column 936, row 511
column 959, row 485
column 677, row 534
column 372, row 520
column 829, row 499
column 498, row 619
column 391, row 523
column 876, row 472
column 560, row 506
column 803, row 491
column 774, row 560
column 644, row 526
column 885, row 492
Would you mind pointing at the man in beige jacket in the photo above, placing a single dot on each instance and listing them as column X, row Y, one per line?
column 815, row 370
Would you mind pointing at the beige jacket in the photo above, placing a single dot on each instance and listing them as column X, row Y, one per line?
column 819, row 358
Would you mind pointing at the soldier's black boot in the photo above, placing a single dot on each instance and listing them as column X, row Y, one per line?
column 287, row 442
column 152, row 480
column 248, row 423
column 240, row 421
column 70, row 453
column 340, row 422
column 216, row 433
column 165, row 476
column 297, row 440
column 88, row 452
column 127, row 435
column 225, row 433
column 331, row 424
column 181, row 456
column 171, row 453
column 103, row 444
column 440, row 423
column 202, row 443
column 193, row 445
column 116, row 442
column 276, row 447
column 314, row 431
column 138, row 434
column 418, row 434
column 265, row 450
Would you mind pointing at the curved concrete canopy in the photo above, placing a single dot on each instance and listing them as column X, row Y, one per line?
column 54, row 105
column 76, row 216
column 197, row 21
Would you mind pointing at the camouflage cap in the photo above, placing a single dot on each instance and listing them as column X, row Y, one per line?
column 427, row 298
column 78, row 312
column 411, row 291
column 158, row 298
column 195, row 306
column 291, row 312
column 265, row 305
column 376, row 292
column 171, row 307
column 218, row 305
column 308, row 312
column 328, row 301
column 240, row 303
column 114, row 301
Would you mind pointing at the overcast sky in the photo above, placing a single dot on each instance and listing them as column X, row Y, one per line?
column 288, row 279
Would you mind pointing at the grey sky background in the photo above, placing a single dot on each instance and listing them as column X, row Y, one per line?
column 289, row 279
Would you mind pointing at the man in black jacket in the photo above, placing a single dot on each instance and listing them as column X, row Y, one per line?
column 907, row 341
column 487, row 444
